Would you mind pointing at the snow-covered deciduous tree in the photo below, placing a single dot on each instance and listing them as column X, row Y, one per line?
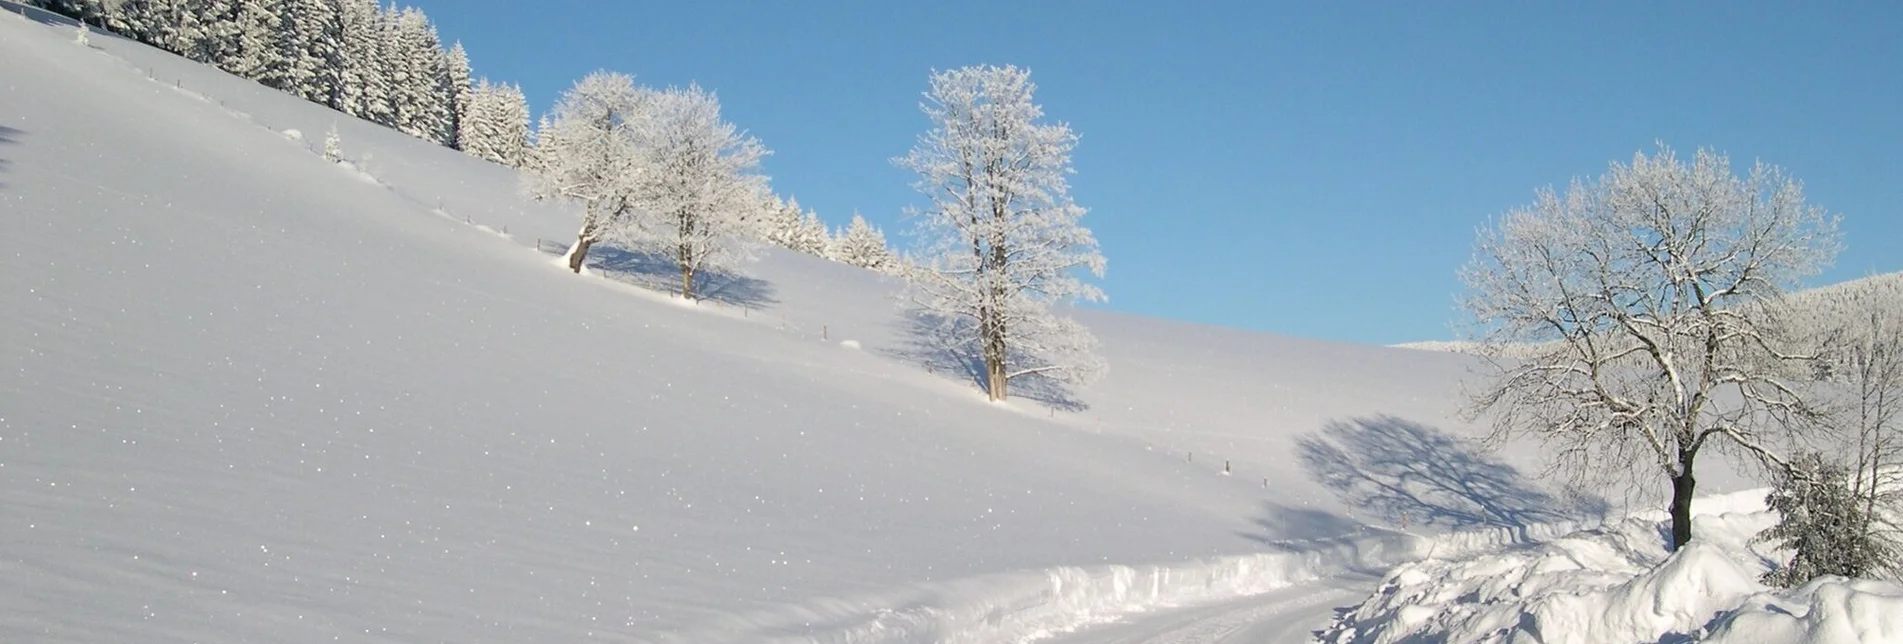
column 1824, row 524
column 1002, row 238
column 496, row 125
column 1644, row 296
column 333, row 145
column 863, row 245
column 701, row 181
column 592, row 150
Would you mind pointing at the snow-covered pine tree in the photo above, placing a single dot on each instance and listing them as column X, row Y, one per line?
column 252, row 51
column 413, row 63
column 363, row 90
column 1001, row 240
column 208, row 32
column 863, row 245
column 592, row 150
column 495, row 126
column 704, row 176
column 1822, row 522
column 781, row 224
column 153, row 22
column 309, row 43
column 811, row 236
column 333, row 145
column 453, row 88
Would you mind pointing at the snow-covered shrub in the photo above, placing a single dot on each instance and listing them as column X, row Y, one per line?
column 1824, row 524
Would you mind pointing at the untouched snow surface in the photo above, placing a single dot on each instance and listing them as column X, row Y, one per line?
column 1620, row 584
column 249, row 395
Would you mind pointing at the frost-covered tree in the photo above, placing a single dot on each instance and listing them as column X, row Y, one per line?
column 309, row 41
column 592, row 150
column 1635, row 305
column 154, row 22
column 1824, row 524
column 363, row 89
column 252, row 50
column 333, row 145
column 496, row 124
column 702, row 179
column 863, row 245
column 1002, row 240
column 1870, row 351
column 413, row 61
column 454, row 87
column 786, row 225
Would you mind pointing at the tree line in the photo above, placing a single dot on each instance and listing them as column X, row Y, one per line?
column 388, row 65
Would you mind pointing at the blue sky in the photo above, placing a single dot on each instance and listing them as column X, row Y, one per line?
column 1313, row 169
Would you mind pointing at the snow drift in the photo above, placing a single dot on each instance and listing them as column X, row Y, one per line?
column 1620, row 584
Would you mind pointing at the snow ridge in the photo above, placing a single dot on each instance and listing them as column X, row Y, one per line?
column 1033, row 605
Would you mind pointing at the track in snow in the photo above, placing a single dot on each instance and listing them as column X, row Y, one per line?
column 1284, row 615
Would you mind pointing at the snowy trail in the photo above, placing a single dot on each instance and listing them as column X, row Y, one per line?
column 1291, row 614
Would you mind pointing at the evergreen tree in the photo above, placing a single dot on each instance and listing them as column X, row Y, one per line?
column 308, row 50
column 363, row 91
column 252, row 50
column 153, row 22
column 333, row 145
column 862, row 245
column 496, row 126
column 453, row 86
column 1823, row 524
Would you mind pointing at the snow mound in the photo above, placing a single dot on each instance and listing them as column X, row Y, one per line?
column 1620, row 583
column 1829, row 609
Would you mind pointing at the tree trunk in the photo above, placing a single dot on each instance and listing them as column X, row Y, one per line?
column 1683, row 486
column 994, row 378
column 687, row 281
column 579, row 252
column 991, row 344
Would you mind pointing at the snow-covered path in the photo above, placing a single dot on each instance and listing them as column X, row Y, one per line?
column 1291, row 614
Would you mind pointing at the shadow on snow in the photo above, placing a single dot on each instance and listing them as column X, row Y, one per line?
column 1409, row 473
column 661, row 273
column 8, row 136
column 949, row 345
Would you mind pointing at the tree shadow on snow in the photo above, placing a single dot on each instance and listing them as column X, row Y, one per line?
column 8, row 136
column 661, row 273
column 945, row 345
column 1406, row 472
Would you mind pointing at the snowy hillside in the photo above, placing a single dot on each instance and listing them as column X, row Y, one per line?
column 250, row 395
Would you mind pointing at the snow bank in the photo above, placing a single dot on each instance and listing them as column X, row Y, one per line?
column 1038, row 604
column 1621, row 584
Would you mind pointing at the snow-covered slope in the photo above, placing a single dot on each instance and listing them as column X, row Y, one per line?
column 248, row 395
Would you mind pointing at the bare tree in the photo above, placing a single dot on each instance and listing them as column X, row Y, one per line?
column 591, row 151
column 1002, row 242
column 1872, row 357
column 1637, row 293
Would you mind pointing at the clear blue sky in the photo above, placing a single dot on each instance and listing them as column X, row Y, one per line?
column 1314, row 169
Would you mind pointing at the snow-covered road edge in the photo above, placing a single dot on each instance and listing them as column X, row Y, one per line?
column 1031, row 605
